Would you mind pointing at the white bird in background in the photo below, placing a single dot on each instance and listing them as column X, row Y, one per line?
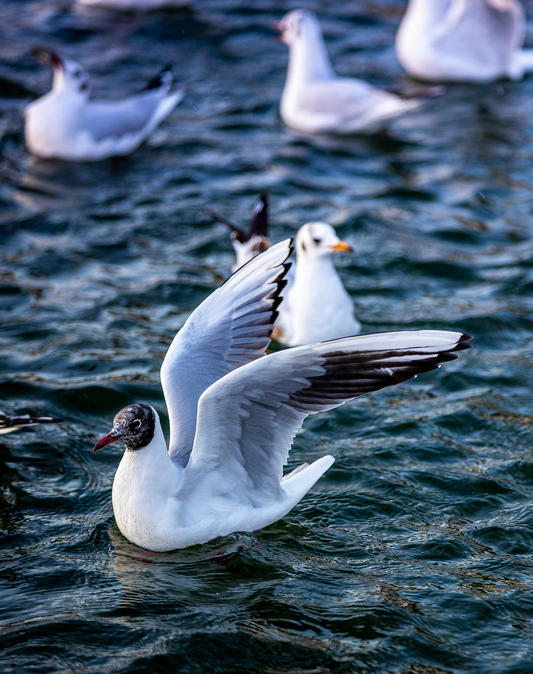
column 464, row 40
column 9, row 424
column 65, row 124
column 248, row 244
column 316, row 307
column 315, row 99
column 234, row 413
column 136, row 5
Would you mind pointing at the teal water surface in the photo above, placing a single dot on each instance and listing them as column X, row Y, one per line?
column 412, row 555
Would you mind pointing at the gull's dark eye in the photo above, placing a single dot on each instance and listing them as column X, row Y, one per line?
column 135, row 424
column 317, row 241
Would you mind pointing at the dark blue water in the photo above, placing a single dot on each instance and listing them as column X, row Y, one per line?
column 412, row 555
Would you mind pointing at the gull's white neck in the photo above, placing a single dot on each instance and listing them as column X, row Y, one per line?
column 143, row 492
column 427, row 12
column 308, row 58
column 310, row 270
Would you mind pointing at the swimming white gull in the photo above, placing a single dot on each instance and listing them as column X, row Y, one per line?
column 464, row 40
column 234, row 413
column 315, row 99
column 316, row 307
column 66, row 124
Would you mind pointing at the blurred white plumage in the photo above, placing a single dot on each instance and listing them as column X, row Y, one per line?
column 315, row 99
column 65, row 124
column 464, row 40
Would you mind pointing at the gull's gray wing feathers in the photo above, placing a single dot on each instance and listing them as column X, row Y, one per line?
column 128, row 117
column 498, row 27
column 230, row 328
column 247, row 420
column 343, row 103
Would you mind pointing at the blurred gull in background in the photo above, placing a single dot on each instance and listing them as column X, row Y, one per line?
column 64, row 124
column 464, row 40
column 315, row 99
column 248, row 244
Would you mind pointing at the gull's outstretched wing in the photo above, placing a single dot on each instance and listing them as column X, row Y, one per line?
column 248, row 419
column 230, row 328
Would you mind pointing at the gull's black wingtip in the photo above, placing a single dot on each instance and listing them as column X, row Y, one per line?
column 259, row 224
column 463, row 342
column 163, row 78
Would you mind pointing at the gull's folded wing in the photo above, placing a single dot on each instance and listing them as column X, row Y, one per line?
column 248, row 419
column 232, row 327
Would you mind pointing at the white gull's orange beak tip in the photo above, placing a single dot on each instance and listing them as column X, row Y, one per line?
column 342, row 247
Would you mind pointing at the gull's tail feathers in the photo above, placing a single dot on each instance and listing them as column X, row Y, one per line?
column 522, row 63
column 302, row 479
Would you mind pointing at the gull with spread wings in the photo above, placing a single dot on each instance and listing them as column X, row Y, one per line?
column 234, row 412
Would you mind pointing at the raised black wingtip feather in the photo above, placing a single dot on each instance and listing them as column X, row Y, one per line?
column 259, row 221
column 241, row 235
column 163, row 78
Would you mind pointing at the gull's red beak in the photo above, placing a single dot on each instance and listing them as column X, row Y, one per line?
column 279, row 27
column 111, row 437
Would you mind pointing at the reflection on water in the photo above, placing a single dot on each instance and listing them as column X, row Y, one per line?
column 412, row 554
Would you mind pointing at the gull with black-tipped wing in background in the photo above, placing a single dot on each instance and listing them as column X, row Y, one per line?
column 234, row 413
column 464, row 40
column 66, row 124
column 248, row 243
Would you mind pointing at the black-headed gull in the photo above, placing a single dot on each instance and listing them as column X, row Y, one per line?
column 65, row 124
column 316, row 306
column 248, row 244
column 234, row 413
column 315, row 99
column 464, row 40
column 9, row 424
